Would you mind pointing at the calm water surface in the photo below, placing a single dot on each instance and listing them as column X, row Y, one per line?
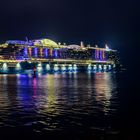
column 74, row 105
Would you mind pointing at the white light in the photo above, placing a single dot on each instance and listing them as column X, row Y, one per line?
column 100, row 67
column 5, row 67
column 18, row 67
column 107, row 48
column 114, row 66
column 56, row 68
column 94, row 67
column 89, row 67
column 63, row 67
column 74, row 67
column 48, row 67
column 105, row 67
column 109, row 67
column 39, row 67
column 70, row 67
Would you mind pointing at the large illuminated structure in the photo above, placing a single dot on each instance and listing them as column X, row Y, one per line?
column 48, row 51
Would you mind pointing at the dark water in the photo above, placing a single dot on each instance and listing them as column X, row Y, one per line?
column 69, row 106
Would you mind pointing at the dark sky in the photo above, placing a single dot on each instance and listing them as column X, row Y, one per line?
column 115, row 22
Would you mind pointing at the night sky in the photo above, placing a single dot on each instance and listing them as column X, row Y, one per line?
column 115, row 22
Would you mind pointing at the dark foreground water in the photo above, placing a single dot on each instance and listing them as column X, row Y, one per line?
column 70, row 106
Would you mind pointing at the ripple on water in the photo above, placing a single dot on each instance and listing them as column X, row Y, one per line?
column 59, row 103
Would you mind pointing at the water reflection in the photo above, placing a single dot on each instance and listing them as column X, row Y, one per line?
column 103, row 89
column 52, row 97
column 54, row 101
column 3, row 91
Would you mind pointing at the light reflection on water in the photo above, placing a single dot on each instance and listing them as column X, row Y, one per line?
column 68, row 101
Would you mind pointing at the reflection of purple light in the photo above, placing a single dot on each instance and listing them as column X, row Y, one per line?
column 23, row 76
column 35, row 85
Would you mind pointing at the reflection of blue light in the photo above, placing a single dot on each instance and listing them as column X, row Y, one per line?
column 46, row 52
column 35, row 51
column 25, row 51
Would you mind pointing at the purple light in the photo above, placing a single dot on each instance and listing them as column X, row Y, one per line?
column 97, row 54
column 35, row 51
column 56, row 53
column 26, row 51
column 46, row 52
column 101, row 53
